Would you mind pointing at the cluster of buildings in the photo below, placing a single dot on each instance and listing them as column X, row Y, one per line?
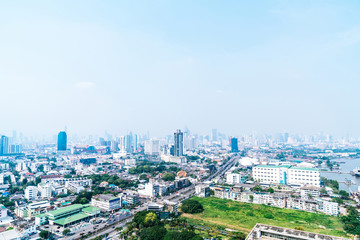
column 54, row 185
column 155, row 189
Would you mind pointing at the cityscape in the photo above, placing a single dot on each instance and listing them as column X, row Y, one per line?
column 179, row 120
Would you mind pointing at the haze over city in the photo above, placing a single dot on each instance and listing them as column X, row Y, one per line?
column 155, row 66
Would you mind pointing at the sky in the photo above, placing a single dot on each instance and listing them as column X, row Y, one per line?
column 155, row 66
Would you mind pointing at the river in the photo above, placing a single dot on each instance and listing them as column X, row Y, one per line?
column 348, row 166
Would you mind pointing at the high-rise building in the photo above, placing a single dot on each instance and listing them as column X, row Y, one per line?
column 179, row 143
column 214, row 135
column 152, row 146
column 62, row 141
column 234, row 145
column 4, row 145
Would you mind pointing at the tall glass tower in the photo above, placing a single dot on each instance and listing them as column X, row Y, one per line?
column 179, row 143
column 234, row 145
column 62, row 141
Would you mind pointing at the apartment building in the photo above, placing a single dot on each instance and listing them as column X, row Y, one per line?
column 31, row 192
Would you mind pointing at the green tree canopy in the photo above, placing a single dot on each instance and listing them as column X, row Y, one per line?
column 191, row 206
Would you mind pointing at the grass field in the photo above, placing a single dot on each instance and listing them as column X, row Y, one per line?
column 223, row 213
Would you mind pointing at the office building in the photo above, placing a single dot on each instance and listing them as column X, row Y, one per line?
column 234, row 145
column 4, row 145
column 62, row 141
column 178, row 143
column 106, row 202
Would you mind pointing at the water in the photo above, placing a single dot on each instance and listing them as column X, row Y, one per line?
column 348, row 166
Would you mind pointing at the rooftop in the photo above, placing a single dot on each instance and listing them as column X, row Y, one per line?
column 63, row 210
column 262, row 231
column 70, row 219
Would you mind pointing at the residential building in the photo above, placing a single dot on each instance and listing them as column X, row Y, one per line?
column 31, row 192
column 330, row 208
column 233, row 178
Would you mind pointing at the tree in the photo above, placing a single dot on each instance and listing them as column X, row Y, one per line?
column 46, row 235
column 270, row 190
column 24, row 181
column 183, row 235
column 143, row 177
column 237, row 235
column 191, row 206
column 66, row 231
column 151, row 219
column 323, row 191
column 343, row 194
column 168, row 177
column 153, row 233
column 257, row 188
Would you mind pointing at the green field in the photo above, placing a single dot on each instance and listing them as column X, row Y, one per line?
column 223, row 213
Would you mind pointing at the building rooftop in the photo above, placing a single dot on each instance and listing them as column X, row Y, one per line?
column 63, row 210
column 273, row 166
column 305, row 168
column 105, row 197
column 267, row 232
column 91, row 209
column 71, row 219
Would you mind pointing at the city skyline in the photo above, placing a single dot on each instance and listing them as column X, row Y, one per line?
column 240, row 66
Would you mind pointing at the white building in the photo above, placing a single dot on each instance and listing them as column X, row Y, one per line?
column 152, row 146
column 45, row 190
column 285, row 174
column 310, row 191
column 303, row 176
column 74, row 187
column 233, row 178
column 21, row 166
column 330, row 208
column 202, row 190
column 106, row 202
column 31, row 192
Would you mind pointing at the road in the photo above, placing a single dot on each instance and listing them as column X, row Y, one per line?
column 180, row 195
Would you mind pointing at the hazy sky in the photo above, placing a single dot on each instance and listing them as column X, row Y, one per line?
column 239, row 66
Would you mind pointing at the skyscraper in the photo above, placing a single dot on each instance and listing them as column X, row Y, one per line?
column 179, row 143
column 4, row 145
column 234, row 145
column 62, row 141
column 214, row 135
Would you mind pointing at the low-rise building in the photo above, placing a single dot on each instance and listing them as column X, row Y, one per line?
column 106, row 202
column 267, row 232
column 202, row 191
